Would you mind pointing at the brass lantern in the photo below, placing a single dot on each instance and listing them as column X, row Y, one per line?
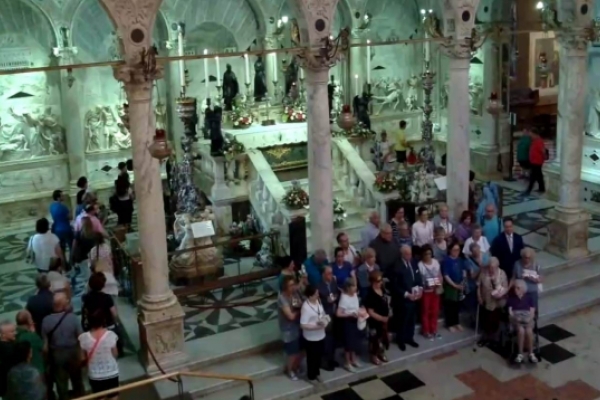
column 160, row 148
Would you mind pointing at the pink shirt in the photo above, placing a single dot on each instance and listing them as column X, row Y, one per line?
column 95, row 222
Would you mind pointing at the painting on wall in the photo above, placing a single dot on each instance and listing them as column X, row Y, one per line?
column 543, row 60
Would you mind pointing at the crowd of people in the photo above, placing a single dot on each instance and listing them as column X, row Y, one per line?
column 408, row 272
column 49, row 345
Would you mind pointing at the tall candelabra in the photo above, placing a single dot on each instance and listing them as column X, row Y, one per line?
column 189, row 198
column 427, row 153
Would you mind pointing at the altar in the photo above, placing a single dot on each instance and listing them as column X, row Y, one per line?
column 257, row 136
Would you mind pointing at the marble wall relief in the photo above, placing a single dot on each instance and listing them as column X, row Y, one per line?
column 30, row 182
column 104, row 130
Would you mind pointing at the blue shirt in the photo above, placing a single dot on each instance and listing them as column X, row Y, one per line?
column 342, row 273
column 453, row 268
column 313, row 271
column 491, row 228
column 60, row 217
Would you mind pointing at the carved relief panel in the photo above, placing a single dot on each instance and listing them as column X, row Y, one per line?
column 26, row 182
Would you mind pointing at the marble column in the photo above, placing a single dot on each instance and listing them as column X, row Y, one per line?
column 270, row 43
column 457, row 147
column 568, row 232
column 71, row 92
column 320, row 164
column 488, row 139
column 160, row 312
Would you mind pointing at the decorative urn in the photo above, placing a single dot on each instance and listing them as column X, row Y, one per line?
column 346, row 120
column 160, row 148
column 494, row 106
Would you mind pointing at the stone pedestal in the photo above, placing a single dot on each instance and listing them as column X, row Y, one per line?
column 320, row 164
column 568, row 233
column 161, row 315
column 458, row 151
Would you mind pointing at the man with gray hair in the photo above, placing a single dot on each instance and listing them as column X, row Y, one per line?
column 8, row 335
column 386, row 250
column 370, row 231
column 40, row 304
column 314, row 265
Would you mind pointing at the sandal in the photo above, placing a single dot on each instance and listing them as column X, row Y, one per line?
column 383, row 358
column 375, row 360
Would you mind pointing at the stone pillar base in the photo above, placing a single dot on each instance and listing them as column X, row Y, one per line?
column 162, row 332
column 484, row 162
column 568, row 233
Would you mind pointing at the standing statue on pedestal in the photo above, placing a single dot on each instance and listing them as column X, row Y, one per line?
column 412, row 96
column 207, row 112
column 361, row 109
column 216, row 136
column 593, row 123
column 260, row 80
column 330, row 93
column 231, row 88
column 291, row 76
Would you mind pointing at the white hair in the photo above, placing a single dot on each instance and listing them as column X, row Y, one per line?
column 527, row 251
column 520, row 284
column 494, row 262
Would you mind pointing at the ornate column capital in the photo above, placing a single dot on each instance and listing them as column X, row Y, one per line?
column 138, row 84
column 330, row 52
column 457, row 49
column 575, row 40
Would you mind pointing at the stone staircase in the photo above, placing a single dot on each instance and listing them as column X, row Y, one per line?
column 569, row 286
column 355, row 214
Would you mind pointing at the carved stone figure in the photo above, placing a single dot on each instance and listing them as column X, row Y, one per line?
column 260, row 80
column 216, row 136
column 122, row 137
column 331, row 86
column 110, row 128
column 12, row 138
column 392, row 98
column 160, row 113
column 476, row 97
column 412, row 96
column 593, row 122
column 291, row 75
column 361, row 109
column 231, row 88
column 338, row 99
column 93, row 128
column 45, row 130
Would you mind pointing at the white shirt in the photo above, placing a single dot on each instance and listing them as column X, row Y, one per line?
column 348, row 304
column 350, row 254
column 429, row 271
column 447, row 226
column 310, row 314
column 102, row 364
column 510, row 239
column 57, row 281
column 43, row 246
column 422, row 233
column 484, row 245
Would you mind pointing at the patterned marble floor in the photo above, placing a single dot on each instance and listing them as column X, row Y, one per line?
column 538, row 219
column 567, row 371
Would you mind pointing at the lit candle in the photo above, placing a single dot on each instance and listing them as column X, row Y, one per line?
column 427, row 49
column 368, row 61
column 218, row 71
column 206, row 72
column 181, row 62
column 356, row 83
column 301, row 73
column 275, row 68
column 247, row 68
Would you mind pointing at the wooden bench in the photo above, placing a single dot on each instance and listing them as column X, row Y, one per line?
column 195, row 290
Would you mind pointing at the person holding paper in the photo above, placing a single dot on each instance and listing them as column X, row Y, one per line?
column 406, row 285
column 476, row 237
column 521, row 311
column 313, row 321
column 492, row 287
column 432, row 288
column 529, row 271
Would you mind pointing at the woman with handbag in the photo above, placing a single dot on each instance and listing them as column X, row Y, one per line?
column 43, row 246
column 377, row 303
column 432, row 281
column 99, row 355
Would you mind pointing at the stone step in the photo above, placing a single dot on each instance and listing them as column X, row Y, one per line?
column 569, row 286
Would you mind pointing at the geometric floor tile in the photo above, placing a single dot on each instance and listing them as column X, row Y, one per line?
column 536, row 221
column 388, row 387
column 554, row 353
column 344, row 394
column 12, row 247
column 554, row 333
column 402, row 381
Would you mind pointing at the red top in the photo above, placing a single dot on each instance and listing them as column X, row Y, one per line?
column 537, row 152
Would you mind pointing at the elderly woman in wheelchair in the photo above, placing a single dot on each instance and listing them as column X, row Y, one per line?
column 521, row 310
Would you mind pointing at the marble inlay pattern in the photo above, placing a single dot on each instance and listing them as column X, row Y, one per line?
column 535, row 220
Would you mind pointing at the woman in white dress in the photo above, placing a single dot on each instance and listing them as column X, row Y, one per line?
column 313, row 321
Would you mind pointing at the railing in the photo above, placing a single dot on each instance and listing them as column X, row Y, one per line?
column 353, row 173
column 174, row 377
column 266, row 193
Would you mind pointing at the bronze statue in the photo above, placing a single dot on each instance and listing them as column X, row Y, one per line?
column 330, row 92
column 216, row 136
column 291, row 75
column 361, row 109
column 231, row 88
column 260, row 80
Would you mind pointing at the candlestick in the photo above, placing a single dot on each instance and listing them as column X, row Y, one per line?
column 275, row 68
column 218, row 71
column 206, row 73
column 356, row 84
column 180, row 53
column 368, row 61
column 247, row 62
column 301, row 73
column 427, row 50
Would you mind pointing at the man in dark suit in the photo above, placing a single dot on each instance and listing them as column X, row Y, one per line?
column 404, row 281
column 507, row 247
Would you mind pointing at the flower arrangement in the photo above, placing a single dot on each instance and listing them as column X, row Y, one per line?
column 296, row 198
column 292, row 115
column 241, row 118
column 339, row 212
column 385, row 182
column 361, row 131
column 232, row 148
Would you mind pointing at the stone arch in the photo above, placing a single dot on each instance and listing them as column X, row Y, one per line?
column 19, row 15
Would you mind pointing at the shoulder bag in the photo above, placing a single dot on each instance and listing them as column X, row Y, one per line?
column 50, row 334
column 88, row 356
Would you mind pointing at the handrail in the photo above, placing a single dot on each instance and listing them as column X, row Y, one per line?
column 168, row 376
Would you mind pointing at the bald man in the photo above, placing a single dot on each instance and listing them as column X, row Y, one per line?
column 26, row 333
column 60, row 331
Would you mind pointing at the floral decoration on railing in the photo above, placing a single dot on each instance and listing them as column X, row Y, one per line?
column 233, row 148
column 241, row 118
column 339, row 212
column 293, row 115
column 386, row 182
column 296, row 198
column 357, row 131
